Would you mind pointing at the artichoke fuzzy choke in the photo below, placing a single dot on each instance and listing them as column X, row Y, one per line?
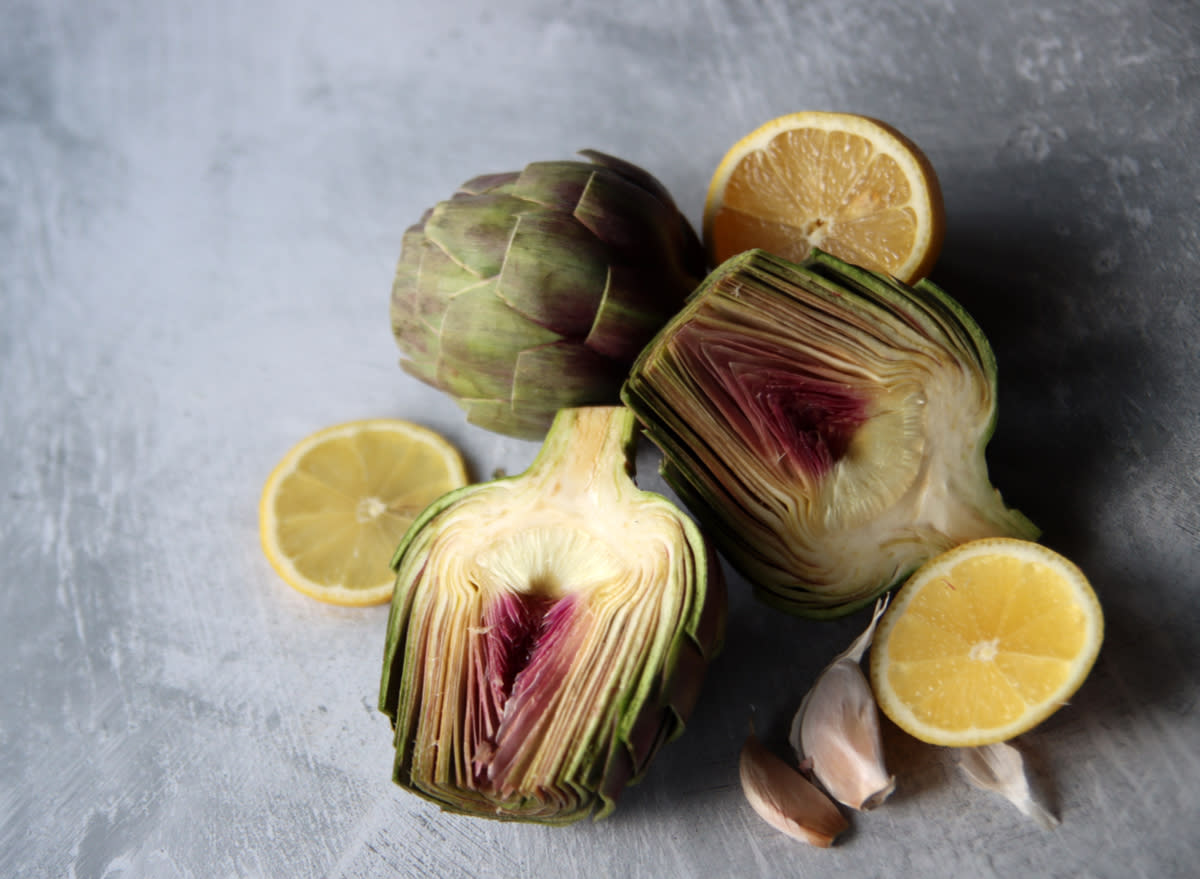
column 548, row 632
column 826, row 424
column 532, row 291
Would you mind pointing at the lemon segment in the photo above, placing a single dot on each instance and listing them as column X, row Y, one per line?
column 851, row 185
column 336, row 506
column 984, row 642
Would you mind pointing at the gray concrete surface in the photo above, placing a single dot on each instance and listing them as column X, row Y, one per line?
column 200, row 212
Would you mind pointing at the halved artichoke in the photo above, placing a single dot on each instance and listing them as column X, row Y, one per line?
column 549, row 631
column 827, row 426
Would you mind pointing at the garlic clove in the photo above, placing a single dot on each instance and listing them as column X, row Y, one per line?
column 787, row 800
column 1000, row 768
column 836, row 730
column 840, row 739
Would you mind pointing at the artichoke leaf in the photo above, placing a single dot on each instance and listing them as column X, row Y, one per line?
column 630, row 218
column 553, row 184
column 631, row 172
column 474, row 231
column 558, row 374
column 503, row 182
column 423, row 282
column 476, row 324
column 629, row 313
column 501, row 416
column 554, row 272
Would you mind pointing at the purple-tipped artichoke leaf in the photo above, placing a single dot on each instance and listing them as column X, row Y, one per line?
column 558, row 374
column 629, row 314
column 554, row 273
column 634, row 174
column 474, row 231
column 641, row 225
column 556, row 185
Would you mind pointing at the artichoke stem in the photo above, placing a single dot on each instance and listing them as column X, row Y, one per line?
column 954, row 511
column 588, row 450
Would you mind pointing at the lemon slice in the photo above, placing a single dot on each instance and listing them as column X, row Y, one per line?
column 984, row 642
column 334, row 509
column 852, row 186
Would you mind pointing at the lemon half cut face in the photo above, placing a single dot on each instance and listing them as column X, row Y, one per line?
column 984, row 642
column 335, row 507
column 850, row 185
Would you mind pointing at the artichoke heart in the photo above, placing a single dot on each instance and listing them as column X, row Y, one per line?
column 531, row 291
column 826, row 424
column 548, row 632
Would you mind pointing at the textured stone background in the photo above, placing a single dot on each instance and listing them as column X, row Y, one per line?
column 200, row 211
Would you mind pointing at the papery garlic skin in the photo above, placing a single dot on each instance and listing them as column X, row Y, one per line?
column 836, row 732
column 787, row 800
column 838, row 738
column 1000, row 768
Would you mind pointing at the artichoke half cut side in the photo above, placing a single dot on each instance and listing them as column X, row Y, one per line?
column 827, row 425
column 548, row 632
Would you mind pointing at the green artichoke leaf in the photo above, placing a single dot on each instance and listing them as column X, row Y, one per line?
column 629, row 217
column 503, row 182
column 553, row 185
column 474, row 232
column 633, row 173
column 554, row 272
column 501, row 416
column 559, row 374
column 425, row 278
column 827, row 424
column 629, row 314
column 482, row 338
column 653, row 254
column 405, row 314
column 548, row 632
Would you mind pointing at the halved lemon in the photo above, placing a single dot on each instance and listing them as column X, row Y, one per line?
column 335, row 507
column 984, row 642
column 851, row 185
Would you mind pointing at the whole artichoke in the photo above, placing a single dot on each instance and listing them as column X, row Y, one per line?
column 535, row 290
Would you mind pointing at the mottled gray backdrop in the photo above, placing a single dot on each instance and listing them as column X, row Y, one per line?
column 200, row 211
